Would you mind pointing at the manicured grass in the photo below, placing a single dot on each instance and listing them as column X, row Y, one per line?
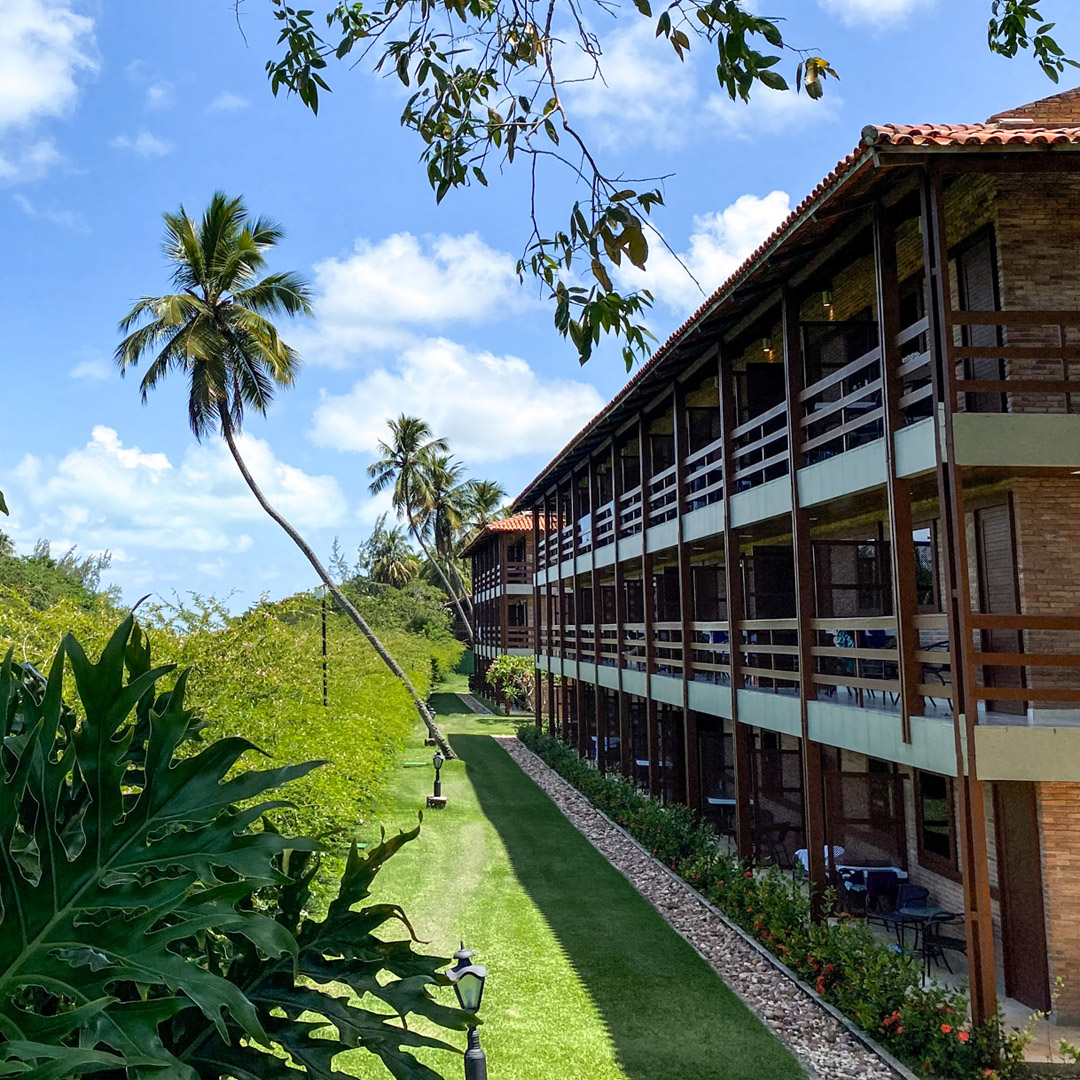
column 586, row 981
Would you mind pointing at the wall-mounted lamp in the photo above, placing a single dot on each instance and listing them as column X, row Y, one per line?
column 766, row 349
column 826, row 302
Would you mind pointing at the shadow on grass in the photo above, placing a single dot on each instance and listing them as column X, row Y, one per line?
column 668, row 1015
column 446, row 704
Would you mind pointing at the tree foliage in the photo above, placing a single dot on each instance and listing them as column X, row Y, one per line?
column 149, row 923
column 488, row 81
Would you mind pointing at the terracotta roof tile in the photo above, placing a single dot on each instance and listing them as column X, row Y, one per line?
column 967, row 135
column 517, row 523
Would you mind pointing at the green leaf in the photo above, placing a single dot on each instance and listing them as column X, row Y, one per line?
column 3, row 505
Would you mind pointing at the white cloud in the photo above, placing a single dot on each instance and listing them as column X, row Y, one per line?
column 226, row 102
column 159, row 95
column 644, row 92
column 489, row 407
column 64, row 219
column 873, row 12
column 769, row 112
column 28, row 161
column 44, row 47
column 374, row 295
column 719, row 243
column 647, row 95
column 109, row 495
column 93, row 369
column 144, row 144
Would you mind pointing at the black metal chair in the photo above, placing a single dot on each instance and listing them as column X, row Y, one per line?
column 882, row 887
column 935, row 944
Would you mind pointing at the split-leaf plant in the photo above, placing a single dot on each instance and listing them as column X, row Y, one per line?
column 148, row 922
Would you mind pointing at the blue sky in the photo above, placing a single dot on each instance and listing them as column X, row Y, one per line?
column 112, row 112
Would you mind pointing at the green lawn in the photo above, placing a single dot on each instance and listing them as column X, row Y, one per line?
column 586, row 981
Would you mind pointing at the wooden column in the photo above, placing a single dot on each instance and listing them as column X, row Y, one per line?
column 813, row 783
column 901, row 541
column 733, row 585
column 974, row 862
column 626, row 762
column 563, row 514
column 691, row 760
column 504, row 596
column 594, row 584
column 538, row 690
column 579, row 696
column 649, row 604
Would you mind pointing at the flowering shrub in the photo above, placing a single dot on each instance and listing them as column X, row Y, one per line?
column 876, row 985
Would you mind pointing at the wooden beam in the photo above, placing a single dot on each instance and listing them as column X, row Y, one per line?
column 813, row 782
column 649, row 603
column 974, row 861
column 626, row 761
column 691, row 759
column 594, row 583
column 901, row 541
column 743, row 763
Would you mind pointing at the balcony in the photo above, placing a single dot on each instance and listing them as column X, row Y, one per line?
column 761, row 449
column 704, row 473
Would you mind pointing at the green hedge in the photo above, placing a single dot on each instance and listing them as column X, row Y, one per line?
column 874, row 984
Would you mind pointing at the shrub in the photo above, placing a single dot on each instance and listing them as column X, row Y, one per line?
column 877, row 986
column 149, row 923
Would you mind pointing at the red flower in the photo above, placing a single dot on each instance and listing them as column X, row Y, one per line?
column 963, row 1036
column 748, row 874
column 899, row 1029
column 946, row 1028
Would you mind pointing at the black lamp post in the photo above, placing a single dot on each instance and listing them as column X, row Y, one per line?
column 468, row 980
column 320, row 592
column 438, row 761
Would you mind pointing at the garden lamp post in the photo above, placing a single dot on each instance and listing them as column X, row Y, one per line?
column 320, row 592
column 438, row 761
column 468, row 980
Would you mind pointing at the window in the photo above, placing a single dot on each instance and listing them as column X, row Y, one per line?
column 935, row 819
column 517, row 615
column 515, row 552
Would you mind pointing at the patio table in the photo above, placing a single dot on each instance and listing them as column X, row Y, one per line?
column 917, row 917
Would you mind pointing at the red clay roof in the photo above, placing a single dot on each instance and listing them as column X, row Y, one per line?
column 993, row 134
column 517, row 523
column 875, row 137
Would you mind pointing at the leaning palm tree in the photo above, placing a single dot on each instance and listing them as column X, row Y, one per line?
column 215, row 330
column 404, row 463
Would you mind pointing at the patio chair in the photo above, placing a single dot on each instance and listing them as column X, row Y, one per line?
column 882, row 887
column 935, row 944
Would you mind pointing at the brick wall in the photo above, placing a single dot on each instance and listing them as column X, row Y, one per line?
column 1059, row 829
column 1059, row 110
column 1048, row 557
column 1038, row 234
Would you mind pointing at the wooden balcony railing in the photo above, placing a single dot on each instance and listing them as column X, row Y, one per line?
column 566, row 542
column 1026, row 661
column 586, row 644
column 761, row 449
column 704, row 473
column 519, row 637
column 630, row 512
column 667, row 649
column 609, row 645
column 770, row 654
column 858, row 655
column 584, row 534
column 844, row 409
column 1033, row 364
column 916, row 389
column 663, row 496
column 711, row 652
column 633, row 647
column 518, row 573
column 603, row 528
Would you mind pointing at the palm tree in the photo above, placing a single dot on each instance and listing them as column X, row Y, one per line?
column 215, row 331
column 392, row 560
column 405, row 463
column 443, row 514
column 483, row 503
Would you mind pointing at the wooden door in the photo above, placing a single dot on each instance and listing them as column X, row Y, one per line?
column 1023, row 922
column 976, row 275
column 773, row 595
column 998, row 595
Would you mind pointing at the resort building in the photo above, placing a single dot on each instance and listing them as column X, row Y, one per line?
column 815, row 570
column 503, row 569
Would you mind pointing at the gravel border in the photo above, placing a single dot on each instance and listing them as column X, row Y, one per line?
column 824, row 1041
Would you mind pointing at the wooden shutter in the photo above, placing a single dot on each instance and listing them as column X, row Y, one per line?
column 998, row 595
column 976, row 273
